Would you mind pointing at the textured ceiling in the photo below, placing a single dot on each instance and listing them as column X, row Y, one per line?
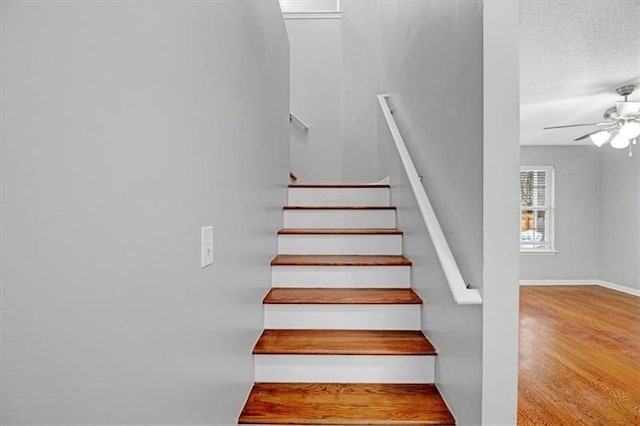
column 573, row 54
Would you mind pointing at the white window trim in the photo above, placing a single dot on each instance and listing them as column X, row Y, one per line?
column 550, row 209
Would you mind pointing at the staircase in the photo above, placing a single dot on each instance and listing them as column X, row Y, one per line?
column 342, row 343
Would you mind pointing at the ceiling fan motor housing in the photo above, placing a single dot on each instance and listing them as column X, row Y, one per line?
column 626, row 90
column 624, row 109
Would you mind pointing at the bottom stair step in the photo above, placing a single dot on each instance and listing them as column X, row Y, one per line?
column 345, row 404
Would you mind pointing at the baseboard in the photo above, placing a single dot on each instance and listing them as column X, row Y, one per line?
column 621, row 288
column 606, row 284
column 559, row 282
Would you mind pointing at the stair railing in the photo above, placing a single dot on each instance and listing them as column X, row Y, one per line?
column 462, row 293
column 297, row 120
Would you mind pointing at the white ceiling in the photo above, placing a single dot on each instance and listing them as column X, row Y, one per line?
column 573, row 55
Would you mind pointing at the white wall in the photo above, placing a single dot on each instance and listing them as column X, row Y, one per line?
column 620, row 217
column 316, row 156
column 360, row 64
column 576, row 216
column 501, row 160
column 126, row 127
column 431, row 57
column 334, row 83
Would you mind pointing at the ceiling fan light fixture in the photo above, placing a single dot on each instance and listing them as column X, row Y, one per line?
column 628, row 109
column 600, row 138
column 630, row 130
column 620, row 142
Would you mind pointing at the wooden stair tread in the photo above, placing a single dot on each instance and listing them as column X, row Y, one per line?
column 342, row 296
column 339, row 208
column 343, row 342
column 339, row 231
column 345, row 404
column 339, row 260
column 337, row 185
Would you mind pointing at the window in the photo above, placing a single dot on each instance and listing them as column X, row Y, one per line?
column 536, row 209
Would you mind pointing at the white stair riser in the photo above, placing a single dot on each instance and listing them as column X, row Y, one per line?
column 345, row 368
column 342, row 317
column 341, row 276
column 339, row 196
column 340, row 244
column 340, row 218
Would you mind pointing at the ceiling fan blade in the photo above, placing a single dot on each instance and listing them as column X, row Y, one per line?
column 587, row 135
column 571, row 125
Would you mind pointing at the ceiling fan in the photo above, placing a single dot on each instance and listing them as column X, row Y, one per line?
column 621, row 125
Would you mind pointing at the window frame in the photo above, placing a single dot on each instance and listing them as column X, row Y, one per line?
column 550, row 201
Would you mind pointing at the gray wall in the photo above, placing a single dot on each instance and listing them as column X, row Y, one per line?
column 334, row 82
column 316, row 155
column 597, row 189
column 620, row 217
column 432, row 58
column 577, row 229
column 360, row 65
column 127, row 127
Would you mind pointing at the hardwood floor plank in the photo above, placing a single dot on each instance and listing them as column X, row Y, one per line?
column 339, row 231
column 339, row 260
column 345, row 404
column 343, row 342
column 579, row 356
column 342, row 296
column 339, row 208
column 337, row 185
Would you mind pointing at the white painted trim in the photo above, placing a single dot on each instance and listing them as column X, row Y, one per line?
column 606, row 284
column 309, row 197
column 339, row 218
column 341, row 276
column 558, row 282
column 342, row 317
column 329, row 14
column 366, row 244
column 345, row 368
column 461, row 294
column 620, row 288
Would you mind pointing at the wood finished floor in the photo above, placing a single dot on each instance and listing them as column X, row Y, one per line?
column 338, row 260
column 342, row 296
column 345, row 404
column 339, row 231
column 579, row 356
column 343, row 342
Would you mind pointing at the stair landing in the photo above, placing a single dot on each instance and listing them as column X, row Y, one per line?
column 345, row 404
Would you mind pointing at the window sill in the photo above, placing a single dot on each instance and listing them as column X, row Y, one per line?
column 539, row 252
